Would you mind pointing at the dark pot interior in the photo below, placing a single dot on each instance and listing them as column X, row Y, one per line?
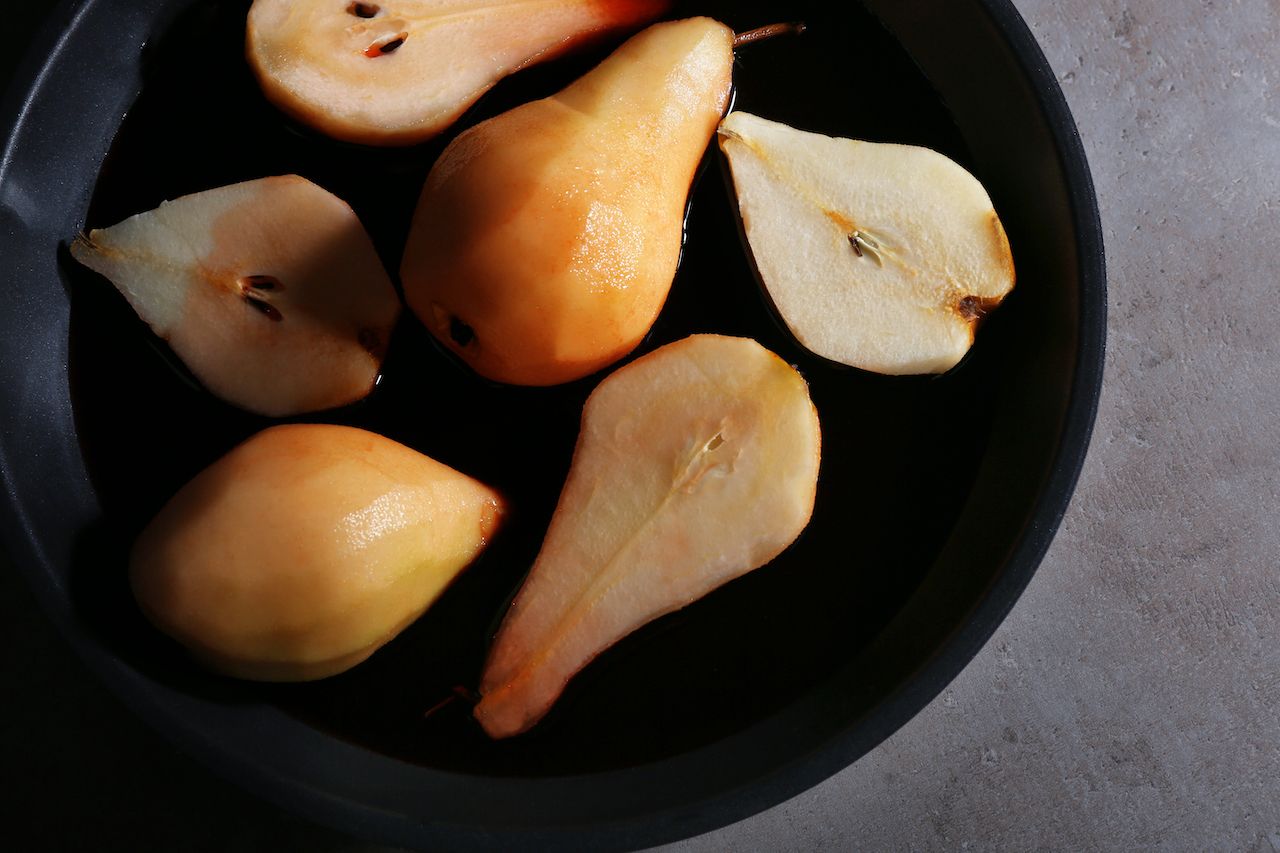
column 937, row 495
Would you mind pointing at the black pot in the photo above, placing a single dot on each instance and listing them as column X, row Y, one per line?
column 938, row 496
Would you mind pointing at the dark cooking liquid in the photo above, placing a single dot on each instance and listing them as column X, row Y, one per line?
column 899, row 455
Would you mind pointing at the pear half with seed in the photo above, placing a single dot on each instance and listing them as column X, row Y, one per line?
column 270, row 291
column 879, row 256
column 397, row 72
column 696, row 464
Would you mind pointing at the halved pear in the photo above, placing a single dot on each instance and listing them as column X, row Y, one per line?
column 695, row 464
column 305, row 549
column 270, row 291
column 397, row 72
column 879, row 256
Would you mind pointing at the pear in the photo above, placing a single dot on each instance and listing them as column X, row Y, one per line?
column 305, row 549
column 879, row 256
column 399, row 72
column 695, row 464
column 546, row 238
column 270, row 291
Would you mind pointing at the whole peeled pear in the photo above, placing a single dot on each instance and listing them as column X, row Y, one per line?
column 305, row 549
column 546, row 238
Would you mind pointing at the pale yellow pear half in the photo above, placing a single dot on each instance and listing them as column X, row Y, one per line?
column 397, row 72
column 270, row 291
column 880, row 256
column 695, row 464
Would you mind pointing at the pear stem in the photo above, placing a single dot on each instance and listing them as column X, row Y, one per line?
column 457, row 693
column 772, row 30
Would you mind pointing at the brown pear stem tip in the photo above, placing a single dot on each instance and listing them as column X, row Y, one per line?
column 448, row 700
column 459, row 692
column 761, row 33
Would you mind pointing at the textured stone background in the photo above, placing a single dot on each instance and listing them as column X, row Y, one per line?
column 1131, row 699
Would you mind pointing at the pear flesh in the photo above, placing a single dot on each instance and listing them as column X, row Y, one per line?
column 270, row 291
column 547, row 238
column 879, row 256
column 305, row 549
column 695, row 464
column 398, row 72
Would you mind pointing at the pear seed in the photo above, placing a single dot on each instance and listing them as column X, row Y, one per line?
column 386, row 46
column 271, row 312
column 865, row 246
column 261, row 282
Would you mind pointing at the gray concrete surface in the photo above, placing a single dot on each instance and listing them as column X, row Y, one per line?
column 1131, row 699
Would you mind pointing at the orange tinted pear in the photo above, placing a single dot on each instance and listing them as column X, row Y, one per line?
column 546, row 238
column 305, row 549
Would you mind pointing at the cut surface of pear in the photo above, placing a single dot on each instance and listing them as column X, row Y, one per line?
column 399, row 72
column 880, row 256
column 305, row 549
column 547, row 238
column 695, row 464
column 270, row 291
